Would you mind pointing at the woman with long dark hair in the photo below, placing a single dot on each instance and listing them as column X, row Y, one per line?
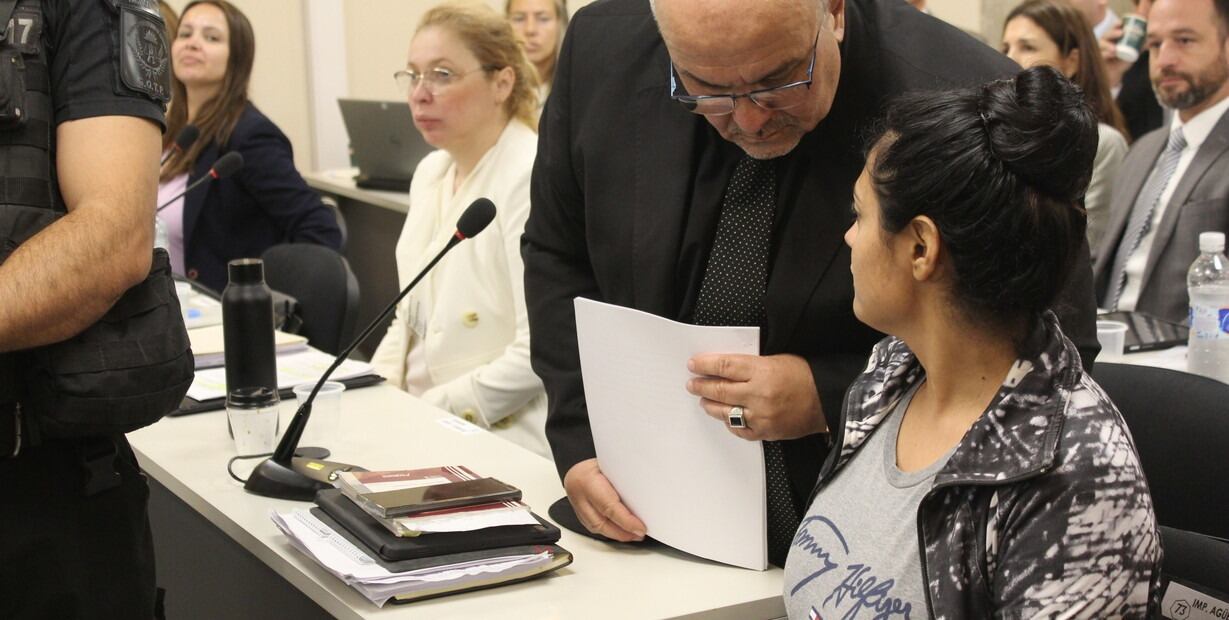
column 266, row 202
column 1056, row 34
column 978, row 471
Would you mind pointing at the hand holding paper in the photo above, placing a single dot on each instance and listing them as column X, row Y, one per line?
column 598, row 505
column 777, row 393
column 694, row 486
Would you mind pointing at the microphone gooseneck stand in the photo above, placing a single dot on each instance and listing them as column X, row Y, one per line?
column 287, row 476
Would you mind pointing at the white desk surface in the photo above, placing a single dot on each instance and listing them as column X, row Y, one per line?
column 1173, row 358
column 341, row 182
column 384, row 428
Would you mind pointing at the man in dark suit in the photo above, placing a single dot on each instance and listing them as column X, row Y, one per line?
column 656, row 158
column 1173, row 183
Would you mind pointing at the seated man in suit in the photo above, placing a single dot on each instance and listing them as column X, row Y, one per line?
column 1173, row 183
column 704, row 172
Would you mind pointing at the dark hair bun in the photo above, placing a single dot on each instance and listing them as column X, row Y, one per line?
column 1001, row 169
column 1042, row 130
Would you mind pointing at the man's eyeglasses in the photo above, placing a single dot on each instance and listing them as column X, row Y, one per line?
column 775, row 98
column 436, row 79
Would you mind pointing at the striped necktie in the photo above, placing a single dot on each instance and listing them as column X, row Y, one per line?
column 1144, row 211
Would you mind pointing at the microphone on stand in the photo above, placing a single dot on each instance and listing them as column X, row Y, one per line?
column 184, row 141
column 226, row 165
column 286, row 476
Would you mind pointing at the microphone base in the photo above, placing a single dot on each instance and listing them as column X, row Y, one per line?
column 299, row 481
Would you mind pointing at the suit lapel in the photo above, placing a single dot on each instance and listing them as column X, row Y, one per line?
column 1211, row 149
column 828, row 159
column 660, row 188
column 811, row 235
column 1130, row 182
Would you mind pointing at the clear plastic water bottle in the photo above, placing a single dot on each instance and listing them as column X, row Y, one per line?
column 1207, row 283
column 161, row 236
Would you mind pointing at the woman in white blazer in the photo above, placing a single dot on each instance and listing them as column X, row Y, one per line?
column 460, row 340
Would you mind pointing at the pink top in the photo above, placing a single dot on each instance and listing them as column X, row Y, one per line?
column 172, row 219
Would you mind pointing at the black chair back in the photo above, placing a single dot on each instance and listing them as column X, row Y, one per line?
column 1197, row 573
column 1180, row 423
column 335, row 208
column 326, row 289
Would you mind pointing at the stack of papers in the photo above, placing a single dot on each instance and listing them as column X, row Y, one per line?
column 421, row 554
column 332, row 549
column 208, row 344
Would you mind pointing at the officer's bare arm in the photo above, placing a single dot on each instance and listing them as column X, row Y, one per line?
column 65, row 277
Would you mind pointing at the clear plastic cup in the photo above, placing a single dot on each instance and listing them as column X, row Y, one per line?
column 252, row 414
column 1134, row 31
column 324, row 426
column 1113, row 337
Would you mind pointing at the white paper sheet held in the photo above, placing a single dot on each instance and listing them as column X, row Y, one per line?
column 696, row 486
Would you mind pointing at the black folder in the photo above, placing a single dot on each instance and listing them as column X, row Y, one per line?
column 388, row 546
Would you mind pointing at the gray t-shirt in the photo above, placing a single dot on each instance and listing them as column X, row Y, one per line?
column 856, row 553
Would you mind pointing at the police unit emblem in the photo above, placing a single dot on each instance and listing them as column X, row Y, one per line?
column 144, row 58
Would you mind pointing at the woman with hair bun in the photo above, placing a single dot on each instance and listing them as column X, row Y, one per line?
column 460, row 340
column 979, row 471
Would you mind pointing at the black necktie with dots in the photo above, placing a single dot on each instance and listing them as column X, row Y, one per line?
column 732, row 293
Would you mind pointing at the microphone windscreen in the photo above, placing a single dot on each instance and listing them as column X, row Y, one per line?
column 476, row 217
column 227, row 165
column 187, row 137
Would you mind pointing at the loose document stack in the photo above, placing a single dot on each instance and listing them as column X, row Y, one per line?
column 421, row 555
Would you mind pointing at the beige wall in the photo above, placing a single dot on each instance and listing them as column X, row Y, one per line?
column 279, row 76
column 377, row 32
column 964, row 14
column 378, row 36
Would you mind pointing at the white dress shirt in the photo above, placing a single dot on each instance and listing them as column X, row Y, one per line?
column 1195, row 131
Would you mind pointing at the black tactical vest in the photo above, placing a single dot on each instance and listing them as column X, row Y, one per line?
column 134, row 365
column 29, row 196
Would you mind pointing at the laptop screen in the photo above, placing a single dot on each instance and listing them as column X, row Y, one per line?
column 1146, row 332
column 384, row 143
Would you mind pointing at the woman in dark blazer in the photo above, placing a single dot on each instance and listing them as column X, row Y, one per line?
column 266, row 202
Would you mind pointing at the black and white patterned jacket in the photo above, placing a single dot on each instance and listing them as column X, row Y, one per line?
column 1042, row 510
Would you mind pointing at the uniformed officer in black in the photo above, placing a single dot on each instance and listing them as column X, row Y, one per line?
column 80, row 126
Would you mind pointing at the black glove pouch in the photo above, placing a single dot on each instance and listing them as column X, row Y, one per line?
column 122, row 373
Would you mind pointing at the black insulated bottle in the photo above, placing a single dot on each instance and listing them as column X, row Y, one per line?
column 247, row 327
